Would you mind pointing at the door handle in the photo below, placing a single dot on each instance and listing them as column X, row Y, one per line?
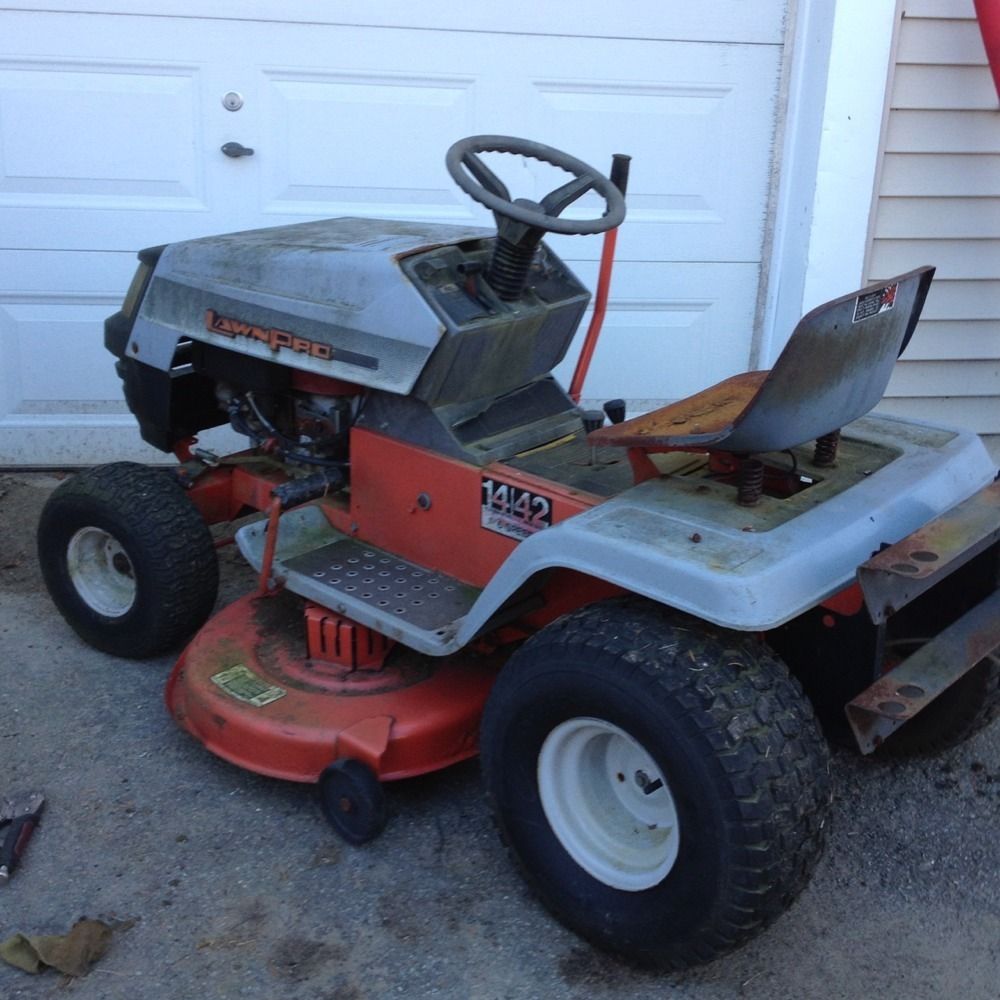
column 236, row 150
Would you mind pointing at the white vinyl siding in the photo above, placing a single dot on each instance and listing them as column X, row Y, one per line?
column 939, row 203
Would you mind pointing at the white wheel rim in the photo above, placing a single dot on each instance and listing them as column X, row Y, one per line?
column 608, row 804
column 101, row 572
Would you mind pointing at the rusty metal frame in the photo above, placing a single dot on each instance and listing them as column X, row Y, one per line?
column 896, row 697
column 904, row 571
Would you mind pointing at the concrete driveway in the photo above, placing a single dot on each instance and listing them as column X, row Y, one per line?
column 237, row 888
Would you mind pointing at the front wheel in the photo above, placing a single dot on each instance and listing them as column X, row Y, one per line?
column 663, row 784
column 127, row 559
column 352, row 800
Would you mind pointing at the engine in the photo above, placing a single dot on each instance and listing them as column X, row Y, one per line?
column 301, row 428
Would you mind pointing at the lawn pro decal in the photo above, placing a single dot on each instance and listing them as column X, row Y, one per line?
column 512, row 511
column 873, row 303
column 274, row 339
column 283, row 340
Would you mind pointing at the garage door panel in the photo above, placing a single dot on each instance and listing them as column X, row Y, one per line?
column 685, row 112
column 64, row 145
column 60, row 399
column 51, row 331
column 336, row 134
column 686, row 199
column 46, row 332
column 350, row 140
column 115, row 145
column 723, row 20
column 670, row 330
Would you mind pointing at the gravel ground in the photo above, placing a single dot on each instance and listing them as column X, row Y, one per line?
column 235, row 887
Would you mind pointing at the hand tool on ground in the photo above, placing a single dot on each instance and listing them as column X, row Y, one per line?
column 18, row 819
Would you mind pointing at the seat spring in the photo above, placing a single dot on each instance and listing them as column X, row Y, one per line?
column 825, row 453
column 751, row 483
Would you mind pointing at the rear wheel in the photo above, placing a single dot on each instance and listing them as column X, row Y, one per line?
column 127, row 559
column 663, row 784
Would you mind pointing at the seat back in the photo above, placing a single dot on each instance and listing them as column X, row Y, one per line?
column 834, row 368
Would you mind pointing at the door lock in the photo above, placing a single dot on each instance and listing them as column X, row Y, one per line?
column 236, row 150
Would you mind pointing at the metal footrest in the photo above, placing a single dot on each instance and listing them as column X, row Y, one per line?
column 382, row 582
column 397, row 598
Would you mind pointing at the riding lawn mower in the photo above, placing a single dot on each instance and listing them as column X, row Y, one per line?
column 638, row 624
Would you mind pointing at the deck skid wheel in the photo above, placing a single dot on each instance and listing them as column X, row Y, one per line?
column 352, row 800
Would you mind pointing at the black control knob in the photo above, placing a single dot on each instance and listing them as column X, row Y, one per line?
column 592, row 420
column 615, row 409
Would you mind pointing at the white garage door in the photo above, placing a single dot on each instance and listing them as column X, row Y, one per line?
column 111, row 127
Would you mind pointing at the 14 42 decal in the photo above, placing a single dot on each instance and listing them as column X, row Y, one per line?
column 513, row 511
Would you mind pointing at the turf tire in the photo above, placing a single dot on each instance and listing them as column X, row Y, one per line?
column 735, row 740
column 168, row 552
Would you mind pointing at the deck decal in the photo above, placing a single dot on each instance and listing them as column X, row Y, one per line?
column 875, row 302
column 244, row 685
column 512, row 511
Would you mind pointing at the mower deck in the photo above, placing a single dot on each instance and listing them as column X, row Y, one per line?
column 246, row 688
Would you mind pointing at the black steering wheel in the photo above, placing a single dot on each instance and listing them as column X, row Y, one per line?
column 485, row 187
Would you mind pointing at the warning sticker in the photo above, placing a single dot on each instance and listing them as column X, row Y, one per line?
column 512, row 511
column 245, row 685
column 875, row 302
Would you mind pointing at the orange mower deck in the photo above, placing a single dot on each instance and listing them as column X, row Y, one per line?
column 248, row 690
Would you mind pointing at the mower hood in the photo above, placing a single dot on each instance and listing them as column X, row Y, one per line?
column 326, row 296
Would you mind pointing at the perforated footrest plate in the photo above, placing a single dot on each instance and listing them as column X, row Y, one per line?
column 403, row 601
column 388, row 585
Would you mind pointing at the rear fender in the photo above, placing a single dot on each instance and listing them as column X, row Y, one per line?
column 640, row 541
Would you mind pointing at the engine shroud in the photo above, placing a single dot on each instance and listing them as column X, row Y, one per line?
column 396, row 306
column 401, row 309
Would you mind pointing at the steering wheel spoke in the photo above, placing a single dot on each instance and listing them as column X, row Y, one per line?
column 555, row 202
column 485, row 176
